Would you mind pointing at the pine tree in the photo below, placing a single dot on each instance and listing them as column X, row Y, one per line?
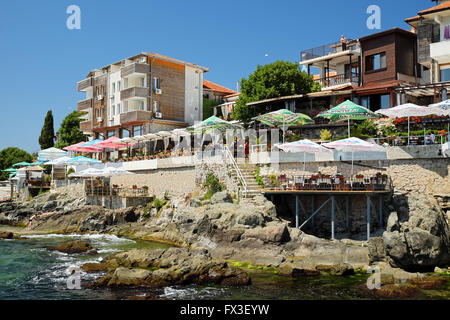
column 47, row 138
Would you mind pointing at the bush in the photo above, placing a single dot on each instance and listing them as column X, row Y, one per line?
column 213, row 185
column 364, row 129
column 325, row 135
column 71, row 170
column 158, row 204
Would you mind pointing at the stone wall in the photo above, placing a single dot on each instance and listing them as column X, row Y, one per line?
column 222, row 171
column 178, row 182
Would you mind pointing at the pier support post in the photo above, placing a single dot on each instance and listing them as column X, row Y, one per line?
column 347, row 213
column 332, row 217
column 297, row 218
column 312, row 210
column 381, row 210
column 368, row 217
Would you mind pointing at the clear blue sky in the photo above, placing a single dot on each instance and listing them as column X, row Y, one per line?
column 41, row 60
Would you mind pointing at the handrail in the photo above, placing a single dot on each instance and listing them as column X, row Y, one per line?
column 239, row 174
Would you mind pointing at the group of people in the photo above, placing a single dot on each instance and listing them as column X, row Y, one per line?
column 429, row 139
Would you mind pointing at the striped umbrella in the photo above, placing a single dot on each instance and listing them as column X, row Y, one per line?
column 347, row 111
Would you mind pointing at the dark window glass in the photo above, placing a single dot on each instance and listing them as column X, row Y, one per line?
column 125, row 133
column 445, row 75
column 111, row 134
column 138, row 131
column 385, row 101
column 376, row 62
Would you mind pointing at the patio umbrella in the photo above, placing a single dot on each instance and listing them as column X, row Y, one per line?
column 22, row 164
column 348, row 110
column 111, row 171
column 354, row 145
column 444, row 107
column 110, row 143
column 81, row 159
column 10, row 170
column 284, row 119
column 51, row 154
column 213, row 123
column 88, row 173
column 305, row 146
column 407, row 110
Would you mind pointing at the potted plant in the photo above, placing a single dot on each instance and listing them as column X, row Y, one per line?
column 134, row 186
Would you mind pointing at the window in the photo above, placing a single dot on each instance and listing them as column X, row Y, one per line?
column 138, row 131
column 124, row 133
column 119, row 85
column 125, row 106
column 156, row 83
column 113, row 89
column 110, row 134
column 119, row 111
column 385, row 101
column 113, row 111
column 156, row 107
column 376, row 62
column 142, row 105
column 445, row 73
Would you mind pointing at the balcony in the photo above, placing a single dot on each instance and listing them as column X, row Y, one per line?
column 328, row 49
column 135, row 116
column 134, row 93
column 86, row 126
column 84, row 105
column 440, row 51
column 338, row 80
column 83, row 85
column 135, row 69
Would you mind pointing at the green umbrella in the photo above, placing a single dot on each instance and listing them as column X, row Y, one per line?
column 284, row 119
column 22, row 164
column 348, row 110
column 10, row 170
column 213, row 123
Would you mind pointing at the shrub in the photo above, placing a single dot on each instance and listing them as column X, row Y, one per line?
column 213, row 185
column 158, row 204
column 70, row 171
column 325, row 135
column 364, row 129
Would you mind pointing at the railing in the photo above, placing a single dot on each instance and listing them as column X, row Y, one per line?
column 84, row 84
column 138, row 115
column 84, row 104
column 134, row 92
column 338, row 80
column 86, row 126
column 411, row 140
column 134, row 68
column 325, row 50
column 239, row 174
column 333, row 183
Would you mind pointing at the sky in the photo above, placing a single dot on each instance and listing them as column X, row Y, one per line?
column 42, row 60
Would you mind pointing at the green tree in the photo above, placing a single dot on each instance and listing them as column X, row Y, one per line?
column 10, row 156
column 47, row 138
column 278, row 79
column 69, row 131
column 208, row 105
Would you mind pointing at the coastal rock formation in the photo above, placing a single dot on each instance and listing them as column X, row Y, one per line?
column 418, row 236
column 73, row 247
column 173, row 266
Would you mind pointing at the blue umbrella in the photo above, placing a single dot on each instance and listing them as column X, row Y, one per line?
column 81, row 159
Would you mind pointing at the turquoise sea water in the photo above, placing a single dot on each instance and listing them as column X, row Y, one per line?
column 29, row 271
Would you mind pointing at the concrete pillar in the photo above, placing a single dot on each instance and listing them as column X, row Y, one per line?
column 297, row 214
column 347, row 213
column 381, row 210
column 368, row 216
column 332, row 217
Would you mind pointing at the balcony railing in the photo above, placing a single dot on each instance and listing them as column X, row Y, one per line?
column 138, row 68
column 84, row 84
column 86, row 126
column 134, row 116
column 338, row 79
column 134, row 92
column 327, row 49
column 84, row 104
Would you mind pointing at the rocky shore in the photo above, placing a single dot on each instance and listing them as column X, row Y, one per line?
column 212, row 239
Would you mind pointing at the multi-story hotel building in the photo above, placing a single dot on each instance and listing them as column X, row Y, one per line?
column 143, row 94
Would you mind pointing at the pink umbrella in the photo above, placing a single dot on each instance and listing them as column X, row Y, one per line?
column 110, row 144
column 79, row 148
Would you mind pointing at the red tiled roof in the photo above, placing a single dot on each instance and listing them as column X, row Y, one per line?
column 217, row 88
column 440, row 7
column 232, row 95
column 379, row 85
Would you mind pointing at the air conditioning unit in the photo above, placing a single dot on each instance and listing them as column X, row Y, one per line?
column 99, row 119
column 100, row 97
column 158, row 115
column 158, row 91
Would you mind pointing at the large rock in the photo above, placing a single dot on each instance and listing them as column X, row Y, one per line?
column 221, row 197
column 73, row 247
column 173, row 266
column 272, row 233
column 422, row 240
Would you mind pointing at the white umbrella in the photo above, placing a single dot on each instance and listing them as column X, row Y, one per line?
column 61, row 160
column 354, row 145
column 305, row 146
column 88, row 173
column 444, row 108
column 407, row 110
